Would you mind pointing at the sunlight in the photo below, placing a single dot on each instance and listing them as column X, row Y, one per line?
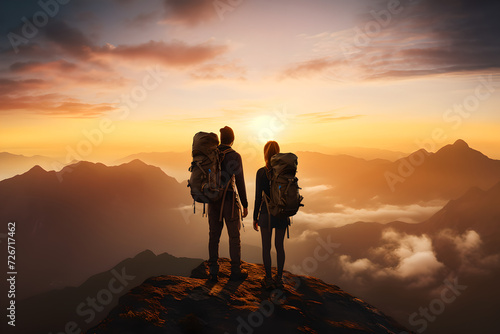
column 262, row 127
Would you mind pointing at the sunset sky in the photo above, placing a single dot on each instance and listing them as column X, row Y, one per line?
column 132, row 76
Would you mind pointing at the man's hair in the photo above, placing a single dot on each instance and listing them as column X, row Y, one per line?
column 226, row 135
column 271, row 148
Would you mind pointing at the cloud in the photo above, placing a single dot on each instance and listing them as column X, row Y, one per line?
column 344, row 215
column 414, row 260
column 12, row 86
column 25, row 95
column 173, row 54
column 324, row 117
column 54, row 105
column 67, row 59
column 310, row 67
column 423, row 38
column 354, row 268
column 463, row 252
column 143, row 19
column 72, row 42
column 31, row 50
column 61, row 74
column 315, row 189
column 35, row 66
column 304, row 236
column 70, row 39
column 44, row 96
column 225, row 71
column 420, row 260
column 415, row 255
column 189, row 12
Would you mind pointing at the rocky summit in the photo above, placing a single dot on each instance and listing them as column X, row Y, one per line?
column 175, row 304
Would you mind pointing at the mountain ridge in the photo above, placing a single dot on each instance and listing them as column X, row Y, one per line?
column 421, row 176
column 89, row 201
column 166, row 304
column 52, row 310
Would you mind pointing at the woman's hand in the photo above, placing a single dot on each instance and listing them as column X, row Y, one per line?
column 256, row 225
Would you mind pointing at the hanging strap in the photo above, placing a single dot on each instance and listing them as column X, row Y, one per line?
column 265, row 198
column 223, row 200
column 232, row 206
column 260, row 206
column 232, row 211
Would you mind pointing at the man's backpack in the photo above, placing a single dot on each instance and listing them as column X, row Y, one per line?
column 205, row 168
column 285, row 199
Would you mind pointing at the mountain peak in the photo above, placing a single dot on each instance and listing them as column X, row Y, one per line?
column 136, row 162
column 145, row 254
column 81, row 166
column 460, row 144
column 459, row 148
column 37, row 170
column 195, row 305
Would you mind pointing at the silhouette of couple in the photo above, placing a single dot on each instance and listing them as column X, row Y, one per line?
column 225, row 210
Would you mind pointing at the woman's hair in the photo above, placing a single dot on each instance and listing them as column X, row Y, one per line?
column 270, row 149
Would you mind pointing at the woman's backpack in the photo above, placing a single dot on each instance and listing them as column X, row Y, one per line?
column 285, row 199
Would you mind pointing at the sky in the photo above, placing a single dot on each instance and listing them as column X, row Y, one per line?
column 109, row 78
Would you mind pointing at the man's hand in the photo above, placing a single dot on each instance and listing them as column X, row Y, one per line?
column 245, row 212
column 256, row 225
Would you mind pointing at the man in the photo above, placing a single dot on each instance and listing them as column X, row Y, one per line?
column 226, row 210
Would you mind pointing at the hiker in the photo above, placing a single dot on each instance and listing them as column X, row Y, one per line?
column 268, row 222
column 226, row 209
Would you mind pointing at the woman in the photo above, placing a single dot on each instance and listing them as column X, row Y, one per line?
column 261, row 218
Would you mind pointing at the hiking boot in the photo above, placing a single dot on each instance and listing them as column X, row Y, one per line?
column 240, row 275
column 267, row 283
column 213, row 273
column 278, row 282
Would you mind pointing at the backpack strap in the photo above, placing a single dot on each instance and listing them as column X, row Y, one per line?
column 260, row 208
column 265, row 198
column 232, row 206
column 269, row 174
column 223, row 153
column 223, row 200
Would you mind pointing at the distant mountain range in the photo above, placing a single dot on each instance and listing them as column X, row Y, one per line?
column 80, row 220
column 14, row 164
column 461, row 241
column 133, row 206
column 86, row 217
column 418, row 178
column 477, row 209
column 175, row 164
column 367, row 153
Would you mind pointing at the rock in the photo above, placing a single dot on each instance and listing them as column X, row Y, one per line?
column 174, row 304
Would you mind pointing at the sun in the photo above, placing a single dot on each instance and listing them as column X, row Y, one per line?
column 262, row 126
